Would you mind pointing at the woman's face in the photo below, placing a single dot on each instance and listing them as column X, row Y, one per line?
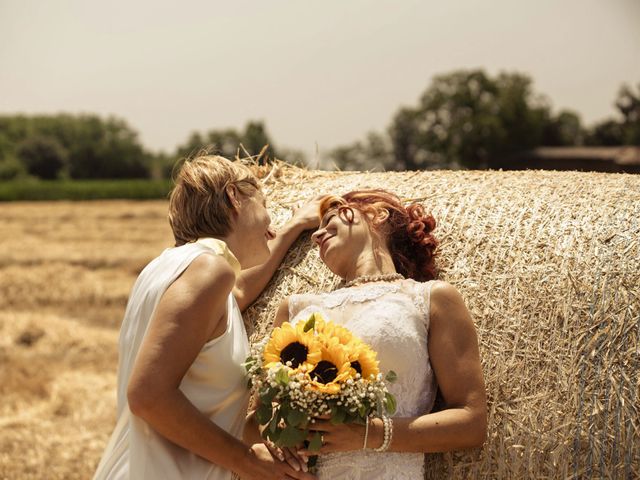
column 253, row 229
column 342, row 242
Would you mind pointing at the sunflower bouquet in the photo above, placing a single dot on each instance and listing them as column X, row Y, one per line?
column 315, row 368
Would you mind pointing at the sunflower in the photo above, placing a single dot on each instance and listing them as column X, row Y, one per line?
column 363, row 360
column 333, row 369
column 292, row 344
column 332, row 330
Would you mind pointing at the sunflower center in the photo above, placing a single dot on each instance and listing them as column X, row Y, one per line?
column 356, row 366
column 325, row 372
column 295, row 352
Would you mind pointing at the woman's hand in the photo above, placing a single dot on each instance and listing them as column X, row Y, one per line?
column 295, row 459
column 262, row 465
column 306, row 215
column 339, row 438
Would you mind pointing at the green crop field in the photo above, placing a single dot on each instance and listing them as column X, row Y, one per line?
column 45, row 190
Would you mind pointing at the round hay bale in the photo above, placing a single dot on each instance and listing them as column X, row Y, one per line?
column 549, row 265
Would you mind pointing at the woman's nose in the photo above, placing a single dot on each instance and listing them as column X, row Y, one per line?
column 317, row 235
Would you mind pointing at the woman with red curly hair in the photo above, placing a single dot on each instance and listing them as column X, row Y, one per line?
column 384, row 251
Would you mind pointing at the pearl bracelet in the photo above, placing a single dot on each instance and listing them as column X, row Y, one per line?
column 388, row 434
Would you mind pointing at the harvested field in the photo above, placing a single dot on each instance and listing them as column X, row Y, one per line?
column 549, row 264
column 65, row 273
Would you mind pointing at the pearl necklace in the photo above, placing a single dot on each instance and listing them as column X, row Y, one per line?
column 385, row 277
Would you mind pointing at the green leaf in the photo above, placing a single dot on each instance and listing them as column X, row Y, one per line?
column 304, row 423
column 353, row 418
column 283, row 410
column 273, row 424
column 274, row 435
column 310, row 323
column 295, row 418
column 316, row 442
column 338, row 416
column 264, row 413
column 278, row 415
column 267, row 395
column 391, row 376
column 291, row 436
column 390, row 403
column 282, row 377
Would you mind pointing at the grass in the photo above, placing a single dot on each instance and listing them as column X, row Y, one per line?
column 46, row 190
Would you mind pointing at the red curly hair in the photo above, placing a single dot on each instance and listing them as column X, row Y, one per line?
column 407, row 229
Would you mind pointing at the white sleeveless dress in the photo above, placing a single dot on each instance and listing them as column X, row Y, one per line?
column 215, row 383
column 394, row 319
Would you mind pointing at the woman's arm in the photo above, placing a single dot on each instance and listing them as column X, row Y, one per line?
column 455, row 358
column 191, row 311
column 252, row 281
column 454, row 354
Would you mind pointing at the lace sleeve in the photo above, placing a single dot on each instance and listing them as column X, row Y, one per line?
column 296, row 303
column 302, row 305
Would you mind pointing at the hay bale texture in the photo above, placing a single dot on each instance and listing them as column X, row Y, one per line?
column 549, row 265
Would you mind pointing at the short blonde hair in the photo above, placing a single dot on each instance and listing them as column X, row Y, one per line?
column 198, row 204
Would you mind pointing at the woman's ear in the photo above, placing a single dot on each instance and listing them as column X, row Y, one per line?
column 232, row 195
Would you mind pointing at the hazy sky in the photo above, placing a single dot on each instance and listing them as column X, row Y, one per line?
column 317, row 72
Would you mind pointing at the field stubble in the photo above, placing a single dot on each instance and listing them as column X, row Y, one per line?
column 66, row 270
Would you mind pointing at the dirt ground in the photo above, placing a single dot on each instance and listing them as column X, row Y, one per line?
column 66, row 270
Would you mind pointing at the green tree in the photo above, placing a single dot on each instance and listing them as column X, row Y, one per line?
column 255, row 138
column 96, row 148
column 227, row 142
column 372, row 153
column 466, row 118
column 106, row 149
column 219, row 142
column 564, row 129
column 628, row 104
column 11, row 169
column 293, row 156
column 43, row 156
column 624, row 130
column 606, row 133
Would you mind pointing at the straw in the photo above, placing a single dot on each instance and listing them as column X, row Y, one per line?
column 547, row 262
column 549, row 266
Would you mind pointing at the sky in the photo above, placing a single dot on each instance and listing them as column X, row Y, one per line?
column 319, row 74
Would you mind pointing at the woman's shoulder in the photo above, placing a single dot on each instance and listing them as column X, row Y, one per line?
column 443, row 292
column 423, row 289
column 448, row 306
column 430, row 286
column 433, row 295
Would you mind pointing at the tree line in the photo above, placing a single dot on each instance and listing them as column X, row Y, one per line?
column 462, row 120
column 465, row 119
column 81, row 147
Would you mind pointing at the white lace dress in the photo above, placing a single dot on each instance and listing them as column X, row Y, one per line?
column 394, row 319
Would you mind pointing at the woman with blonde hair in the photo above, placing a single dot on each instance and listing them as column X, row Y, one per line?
column 420, row 327
column 182, row 394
